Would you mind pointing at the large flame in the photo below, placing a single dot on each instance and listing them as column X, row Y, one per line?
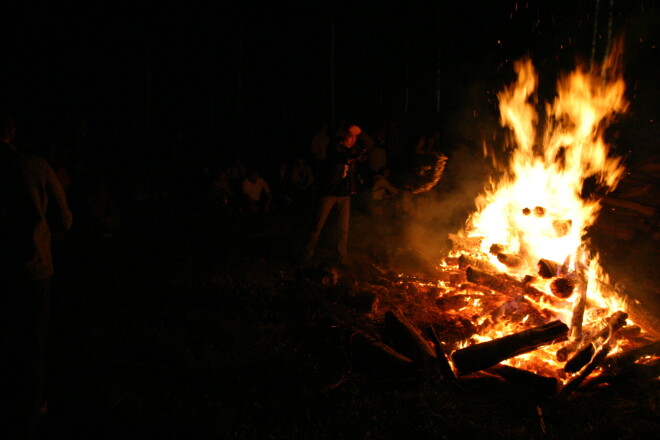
column 536, row 209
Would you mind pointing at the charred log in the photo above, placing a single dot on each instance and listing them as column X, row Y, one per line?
column 500, row 282
column 541, row 385
column 406, row 338
column 480, row 356
column 650, row 370
column 562, row 287
column 580, row 359
column 442, row 360
column 586, row 371
column 465, row 243
column 548, row 268
column 578, row 311
column 510, row 260
column 504, row 284
column 496, row 249
column 638, row 313
column 614, row 323
column 465, row 261
column 631, row 355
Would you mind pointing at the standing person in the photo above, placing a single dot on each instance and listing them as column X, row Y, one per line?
column 336, row 185
column 32, row 204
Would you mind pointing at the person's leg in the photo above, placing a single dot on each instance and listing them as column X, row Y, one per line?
column 325, row 206
column 343, row 221
column 25, row 334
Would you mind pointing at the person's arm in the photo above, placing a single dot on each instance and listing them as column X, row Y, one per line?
column 390, row 188
column 266, row 193
column 55, row 191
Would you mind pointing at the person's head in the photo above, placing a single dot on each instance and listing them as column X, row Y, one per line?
column 253, row 176
column 7, row 127
column 350, row 134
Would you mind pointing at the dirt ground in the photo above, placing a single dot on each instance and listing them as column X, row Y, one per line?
column 202, row 329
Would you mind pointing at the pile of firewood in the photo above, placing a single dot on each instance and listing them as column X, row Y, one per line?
column 411, row 321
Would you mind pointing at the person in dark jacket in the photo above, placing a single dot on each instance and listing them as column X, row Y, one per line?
column 337, row 183
column 32, row 206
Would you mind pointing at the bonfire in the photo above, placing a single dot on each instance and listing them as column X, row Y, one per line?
column 522, row 287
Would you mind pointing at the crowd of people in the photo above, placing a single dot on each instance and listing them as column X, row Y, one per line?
column 49, row 195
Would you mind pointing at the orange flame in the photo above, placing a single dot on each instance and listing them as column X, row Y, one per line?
column 536, row 210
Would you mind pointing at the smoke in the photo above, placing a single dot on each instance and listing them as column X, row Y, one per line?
column 445, row 208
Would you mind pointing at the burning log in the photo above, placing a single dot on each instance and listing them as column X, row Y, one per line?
column 586, row 371
column 548, row 268
column 630, row 356
column 562, row 287
column 578, row 311
column 510, row 260
column 614, row 323
column 465, row 243
column 465, row 261
column 581, row 358
column 650, row 370
column 638, row 313
column 504, row 284
column 500, row 282
column 480, row 356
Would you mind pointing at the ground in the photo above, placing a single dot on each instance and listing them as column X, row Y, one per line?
column 202, row 329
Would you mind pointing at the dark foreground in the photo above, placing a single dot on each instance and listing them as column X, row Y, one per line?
column 206, row 332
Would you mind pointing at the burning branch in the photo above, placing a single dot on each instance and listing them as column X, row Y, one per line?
column 479, row 356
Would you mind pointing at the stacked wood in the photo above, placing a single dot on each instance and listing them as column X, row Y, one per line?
column 578, row 311
column 480, row 356
column 580, row 359
column 615, row 322
column 649, row 370
column 501, row 282
column 465, row 243
column 637, row 312
column 465, row 261
column 631, row 355
column 574, row 383
column 505, row 284
column 510, row 260
column 548, row 268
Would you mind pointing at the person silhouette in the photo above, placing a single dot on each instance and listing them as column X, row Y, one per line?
column 337, row 183
column 33, row 205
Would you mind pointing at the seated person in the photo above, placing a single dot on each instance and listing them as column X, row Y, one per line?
column 256, row 193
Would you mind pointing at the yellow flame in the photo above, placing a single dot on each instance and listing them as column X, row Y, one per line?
column 536, row 210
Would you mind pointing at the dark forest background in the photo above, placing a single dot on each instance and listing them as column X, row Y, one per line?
column 255, row 78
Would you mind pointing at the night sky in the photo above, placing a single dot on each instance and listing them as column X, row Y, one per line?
column 261, row 78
